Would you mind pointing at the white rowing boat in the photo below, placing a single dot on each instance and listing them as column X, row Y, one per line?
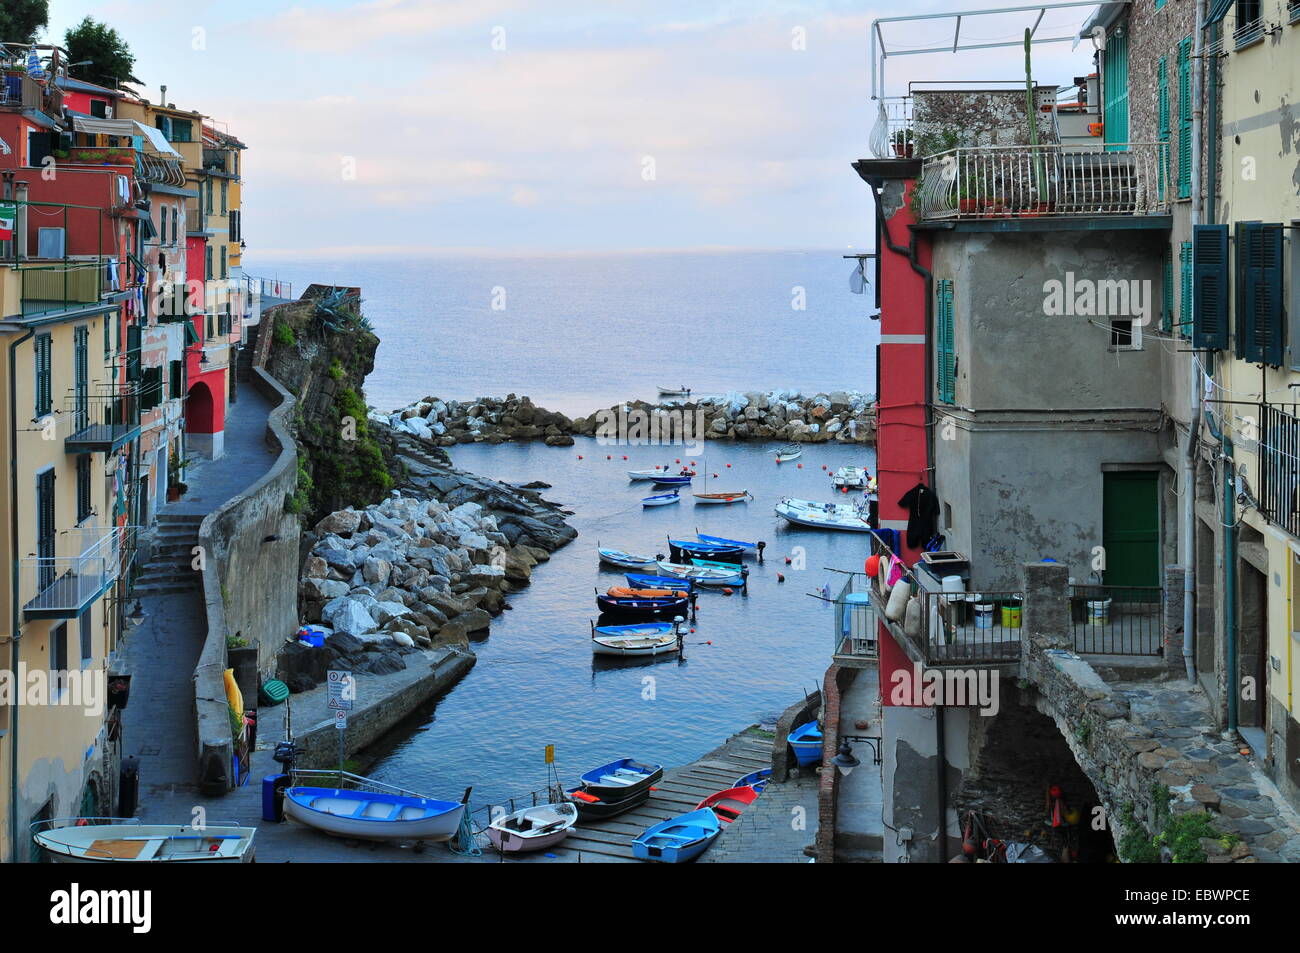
column 118, row 840
column 841, row 516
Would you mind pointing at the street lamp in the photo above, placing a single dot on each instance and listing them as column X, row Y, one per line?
column 844, row 759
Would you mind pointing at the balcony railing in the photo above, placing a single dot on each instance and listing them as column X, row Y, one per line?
column 100, row 421
column 1117, row 620
column 891, row 136
column 1279, row 468
column 1055, row 180
column 856, row 632
column 67, row 584
column 269, row 287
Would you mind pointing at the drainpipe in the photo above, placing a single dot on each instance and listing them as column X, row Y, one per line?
column 14, row 622
column 1229, row 572
column 1193, row 377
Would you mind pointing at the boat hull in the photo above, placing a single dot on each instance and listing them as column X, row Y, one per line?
column 806, row 743
column 678, row 840
column 147, row 844
column 532, row 829
column 360, row 815
column 823, row 516
column 665, row 499
column 613, row 557
column 755, row 779
column 723, row 541
column 701, row 575
column 606, row 781
column 685, row 552
column 635, row 648
column 722, row 499
column 728, row 804
column 642, row 608
column 602, row 807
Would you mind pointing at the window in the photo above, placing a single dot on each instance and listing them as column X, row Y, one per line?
column 87, row 648
column 1210, row 286
column 1115, row 89
column 225, row 196
column 108, row 337
column 1260, row 336
column 40, row 146
column 99, row 108
column 59, row 655
column 50, row 242
column 44, row 400
column 1185, row 118
column 1293, row 336
column 162, row 237
column 1250, row 27
column 1162, row 122
column 1125, row 335
column 83, row 487
column 151, row 387
column 208, row 203
column 207, row 262
column 133, row 352
column 946, row 378
column 235, row 235
column 175, row 380
column 225, row 251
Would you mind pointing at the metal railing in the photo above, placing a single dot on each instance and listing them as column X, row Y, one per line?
column 1051, row 180
column 1117, row 620
column 1279, row 468
column 855, row 624
column 893, row 127
column 269, row 287
column 93, row 558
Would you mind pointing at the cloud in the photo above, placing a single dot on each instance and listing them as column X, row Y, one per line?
column 370, row 28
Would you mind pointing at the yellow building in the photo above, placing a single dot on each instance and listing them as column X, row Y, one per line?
column 1247, row 295
column 68, row 430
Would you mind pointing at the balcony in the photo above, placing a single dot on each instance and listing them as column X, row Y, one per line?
column 1279, row 468
column 19, row 90
column 1053, row 181
column 100, row 422
column 67, row 585
column 856, row 631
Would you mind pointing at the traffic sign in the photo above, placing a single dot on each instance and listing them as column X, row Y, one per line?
column 342, row 690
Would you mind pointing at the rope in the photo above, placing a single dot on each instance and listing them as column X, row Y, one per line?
column 464, row 843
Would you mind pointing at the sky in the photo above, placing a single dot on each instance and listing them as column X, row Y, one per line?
column 387, row 127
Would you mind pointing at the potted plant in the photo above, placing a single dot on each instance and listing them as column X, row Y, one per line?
column 903, row 144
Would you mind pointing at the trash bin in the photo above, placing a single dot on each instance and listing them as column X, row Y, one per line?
column 128, row 788
column 273, row 786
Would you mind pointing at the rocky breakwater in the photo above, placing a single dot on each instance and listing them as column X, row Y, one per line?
column 428, row 567
column 840, row 416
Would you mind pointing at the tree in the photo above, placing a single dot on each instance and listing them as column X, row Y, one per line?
column 111, row 60
column 21, row 20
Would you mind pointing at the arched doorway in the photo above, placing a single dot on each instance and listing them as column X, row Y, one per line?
column 202, row 422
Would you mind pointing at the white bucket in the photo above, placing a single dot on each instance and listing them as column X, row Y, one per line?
column 983, row 615
column 1098, row 611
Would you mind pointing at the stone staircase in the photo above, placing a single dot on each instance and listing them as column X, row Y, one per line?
column 244, row 363
column 169, row 569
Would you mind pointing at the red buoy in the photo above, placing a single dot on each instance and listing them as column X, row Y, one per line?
column 579, row 456
column 798, row 466
column 787, row 560
column 780, row 577
column 728, row 464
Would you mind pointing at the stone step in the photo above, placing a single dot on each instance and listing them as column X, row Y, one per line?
column 188, row 519
column 143, row 590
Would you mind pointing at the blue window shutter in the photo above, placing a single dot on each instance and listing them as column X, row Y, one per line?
column 1185, row 118
column 1247, row 348
column 1210, row 286
column 947, row 376
column 1260, row 329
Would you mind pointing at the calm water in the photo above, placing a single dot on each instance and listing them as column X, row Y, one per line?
column 581, row 332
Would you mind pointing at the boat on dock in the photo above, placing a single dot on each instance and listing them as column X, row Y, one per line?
column 365, row 809
column 678, row 840
column 533, row 828
column 853, row 478
column 755, row 779
column 704, row 575
column 662, row 499
column 621, row 778
column 636, row 641
column 723, row 499
column 806, row 742
column 594, row 807
column 93, row 840
column 644, row 603
column 841, row 516
column 729, row 804
column 616, row 557
column 791, row 451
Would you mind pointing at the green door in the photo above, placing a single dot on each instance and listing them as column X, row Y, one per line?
column 1131, row 528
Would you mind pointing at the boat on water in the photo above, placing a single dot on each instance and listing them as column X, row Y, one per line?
column 723, row 499
column 842, row 516
column 673, row 479
column 642, row 581
column 94, row 840
column 806, row 742
column 755, row 779
column 674, row 391
column 370, row 810
column 644, row 603
column 662, row 499
column 678, row 839
column 704, row 575
column 853, row 478
column 729, row 804
column 684, row 550
column 533, row 828
column 594, row 807
column 646, row 474
column 716, row 564
column 637, row 641
column 616, row 557
column 791, row 451
column 621, row 778
column 723, row 541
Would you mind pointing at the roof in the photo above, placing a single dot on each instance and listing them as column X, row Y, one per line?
column 81, row 86
column 1105, row 15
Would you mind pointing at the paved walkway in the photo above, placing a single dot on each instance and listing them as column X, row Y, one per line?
column 860, row 801
column 160, row 653
column 775, row 829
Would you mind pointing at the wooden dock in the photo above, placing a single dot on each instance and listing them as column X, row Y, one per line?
column 680, row 790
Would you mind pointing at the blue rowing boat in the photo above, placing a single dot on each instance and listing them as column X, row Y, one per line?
column 806, row 742
column 755, row 779
column 723, row 541
column 662, row 499
column 678, row 839
column 683, row 549
column 672, row 480
column 641, row 581
column 626, row 776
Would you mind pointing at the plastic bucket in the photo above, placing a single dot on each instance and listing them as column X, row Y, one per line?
column 1011, row 614
column 1098, row 611
column 983, row 615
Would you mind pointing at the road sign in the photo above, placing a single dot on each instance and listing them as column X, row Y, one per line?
column 340, row 719
column 342, row 690
column 550, row 754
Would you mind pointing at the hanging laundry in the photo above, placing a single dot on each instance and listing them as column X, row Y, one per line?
column 922, row 514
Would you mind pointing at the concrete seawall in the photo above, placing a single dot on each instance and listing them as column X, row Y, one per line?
column 250, row 547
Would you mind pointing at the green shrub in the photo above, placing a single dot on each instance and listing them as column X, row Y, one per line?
column 283, row 334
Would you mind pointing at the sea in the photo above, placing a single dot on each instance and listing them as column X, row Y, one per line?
column 582, row 332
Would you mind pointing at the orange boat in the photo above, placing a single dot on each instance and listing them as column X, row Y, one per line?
column 729, row 804
column 624, row 592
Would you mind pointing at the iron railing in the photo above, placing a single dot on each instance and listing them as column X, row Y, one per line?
column 1049, row 180
column 93, row 558
column 1117, row 620
column 855, row 623
column 269, row 287
column 1279, row 468
column 891, row 136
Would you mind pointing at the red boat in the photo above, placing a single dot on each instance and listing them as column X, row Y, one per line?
column 728, row 804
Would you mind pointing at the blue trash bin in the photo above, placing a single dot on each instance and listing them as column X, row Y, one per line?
column 273, row 786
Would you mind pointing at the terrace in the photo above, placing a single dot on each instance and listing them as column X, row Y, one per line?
column 66, row 585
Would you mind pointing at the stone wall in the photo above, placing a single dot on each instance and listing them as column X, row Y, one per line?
column 250, row 584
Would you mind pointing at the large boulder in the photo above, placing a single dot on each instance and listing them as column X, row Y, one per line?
column 342, row 522
column 376, row 570
column 460, row 628
column 349, row 616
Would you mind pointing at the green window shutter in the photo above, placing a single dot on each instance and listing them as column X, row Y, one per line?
column 1167, row 291
column 1185, row 118
column 1115, row 81
column 946, row 353
column 1210, row 286
column 175, row 378
column 133, row 352
column 191, row 335
column 1162, row 117
column 151, row 388
column 44, row 402
column 1260, row 332
column 1185, row 275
